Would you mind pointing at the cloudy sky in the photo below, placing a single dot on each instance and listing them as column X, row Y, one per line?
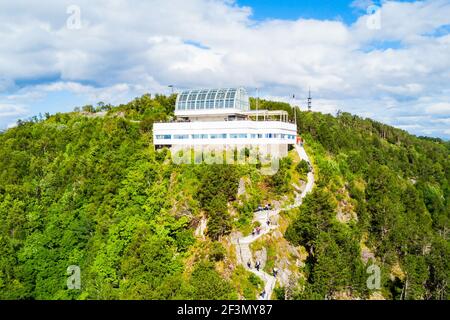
column 388, row 60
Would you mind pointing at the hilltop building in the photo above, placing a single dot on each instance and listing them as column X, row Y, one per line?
column 222, row 118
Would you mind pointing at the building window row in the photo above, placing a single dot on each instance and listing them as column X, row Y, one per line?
column 231, row 136
column 238, row 135
column 218, row 136
column 164, row 137
column 181, row 136
column 199, row 136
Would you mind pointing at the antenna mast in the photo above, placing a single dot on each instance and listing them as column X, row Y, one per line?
column 309, row 100
column 295, row 109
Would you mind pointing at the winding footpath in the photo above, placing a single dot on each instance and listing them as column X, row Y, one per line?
column 243, row 250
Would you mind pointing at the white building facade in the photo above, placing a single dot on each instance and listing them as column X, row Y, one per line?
column 221, row 119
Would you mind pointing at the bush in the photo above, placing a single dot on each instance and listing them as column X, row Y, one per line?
column 256, row 281
column 280, row 180
column 280, row 293
column 217, row 252
column 146, row 125
column 207, row 284
column 219, row 222
column 302, row 167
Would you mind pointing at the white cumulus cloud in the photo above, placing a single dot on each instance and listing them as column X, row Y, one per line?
column 125, row 48
column 439, row 108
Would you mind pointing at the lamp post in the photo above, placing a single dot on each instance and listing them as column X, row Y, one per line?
column 257, row 101
column 295, row 108
column 171, row 88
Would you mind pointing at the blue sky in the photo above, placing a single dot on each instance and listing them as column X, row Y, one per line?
column 390, row 65
column 345, row 10
column 307, row 9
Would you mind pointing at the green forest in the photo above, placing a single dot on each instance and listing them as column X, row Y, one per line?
column 87, row 188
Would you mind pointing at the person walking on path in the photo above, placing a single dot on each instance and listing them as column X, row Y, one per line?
column 275, row 272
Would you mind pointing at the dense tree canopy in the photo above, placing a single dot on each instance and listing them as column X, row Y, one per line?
column 86, row 188
column 398, row 187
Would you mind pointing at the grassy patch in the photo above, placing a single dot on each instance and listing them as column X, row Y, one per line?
column 246, row 283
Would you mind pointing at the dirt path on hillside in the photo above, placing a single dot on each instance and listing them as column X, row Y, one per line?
column 244, row 253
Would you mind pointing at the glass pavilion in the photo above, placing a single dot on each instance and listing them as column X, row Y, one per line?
column 210, row 99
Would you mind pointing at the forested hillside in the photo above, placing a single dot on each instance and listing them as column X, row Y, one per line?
column 87, row 189
column 382, row 196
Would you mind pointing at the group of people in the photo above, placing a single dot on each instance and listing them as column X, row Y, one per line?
column 263, row 294
column 266, row 207
column 257, row 265
column 274, row 273
column 256, row 231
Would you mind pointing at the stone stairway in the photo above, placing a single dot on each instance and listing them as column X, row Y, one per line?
column 243, row 251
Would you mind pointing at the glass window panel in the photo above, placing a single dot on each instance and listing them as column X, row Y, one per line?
column 219, row 103
column 193, row 96
column 211, row 94
column 164, row 136
column 218, row 136
column 181, row 136
column 199, row 136
column 238, row 135
column 221, row 94
column 183, row 97
column 230, row 94
column 201, row 99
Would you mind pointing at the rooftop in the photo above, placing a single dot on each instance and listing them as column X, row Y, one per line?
column 212, row 101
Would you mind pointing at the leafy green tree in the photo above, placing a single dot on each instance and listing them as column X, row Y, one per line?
column 315, row 216
column 302, row 167
column 207, row 284
column 219, row 222
column 280, row 181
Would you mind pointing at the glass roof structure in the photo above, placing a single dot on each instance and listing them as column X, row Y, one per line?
column 209, row 99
